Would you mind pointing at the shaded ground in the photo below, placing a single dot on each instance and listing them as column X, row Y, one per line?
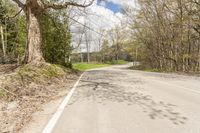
column 107, row 91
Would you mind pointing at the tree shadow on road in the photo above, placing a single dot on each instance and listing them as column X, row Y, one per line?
column 99, row 87
column 103, row 92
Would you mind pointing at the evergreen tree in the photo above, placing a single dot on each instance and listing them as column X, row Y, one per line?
column 2, row 12
column 56, row 40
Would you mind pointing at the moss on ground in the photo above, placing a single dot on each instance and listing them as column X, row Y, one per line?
column 42, row 72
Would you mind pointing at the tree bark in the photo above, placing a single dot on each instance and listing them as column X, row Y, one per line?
column 3, row 44
column 34, row 39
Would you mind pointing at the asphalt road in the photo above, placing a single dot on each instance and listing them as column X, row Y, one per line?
column 118, row 100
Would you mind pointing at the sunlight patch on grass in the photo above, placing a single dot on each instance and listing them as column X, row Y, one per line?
column 86, row 66
column 119, row 62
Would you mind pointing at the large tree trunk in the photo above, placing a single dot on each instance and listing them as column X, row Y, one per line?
column 34, row 39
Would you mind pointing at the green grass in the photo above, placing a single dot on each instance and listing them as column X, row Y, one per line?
column 120, row 62
column 85, row 66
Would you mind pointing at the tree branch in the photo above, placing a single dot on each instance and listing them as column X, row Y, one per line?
column 10, row 17
column 53, row 21
column 66, row 4
column 19, row 3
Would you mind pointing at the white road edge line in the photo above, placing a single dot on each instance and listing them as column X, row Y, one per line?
column 51, row 124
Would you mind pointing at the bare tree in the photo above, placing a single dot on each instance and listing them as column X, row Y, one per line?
column 78, row 41
column 117, row 38
column 168, row 33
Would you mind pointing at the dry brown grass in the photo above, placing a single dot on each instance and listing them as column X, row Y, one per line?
column 26, row 88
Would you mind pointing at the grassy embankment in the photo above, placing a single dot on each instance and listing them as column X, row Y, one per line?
column 23, row 76
column 27, row 88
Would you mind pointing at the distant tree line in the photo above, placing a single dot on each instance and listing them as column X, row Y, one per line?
column 110, row 48
column 166, row 34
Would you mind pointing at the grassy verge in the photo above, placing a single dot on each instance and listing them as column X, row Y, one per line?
column 120, row 62
column 85, row 66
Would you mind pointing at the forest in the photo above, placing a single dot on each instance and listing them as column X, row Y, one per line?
column 166, row 34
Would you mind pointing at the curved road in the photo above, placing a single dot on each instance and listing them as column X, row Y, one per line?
column 118, row 100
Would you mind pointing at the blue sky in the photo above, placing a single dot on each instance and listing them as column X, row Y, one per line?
column 110, row 5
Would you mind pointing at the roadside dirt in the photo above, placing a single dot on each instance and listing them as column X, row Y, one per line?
column 16, row 110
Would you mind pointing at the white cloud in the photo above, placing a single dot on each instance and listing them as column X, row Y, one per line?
column 124, row 2
column 102, row 3
column 103, row 17
column 99, row 18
